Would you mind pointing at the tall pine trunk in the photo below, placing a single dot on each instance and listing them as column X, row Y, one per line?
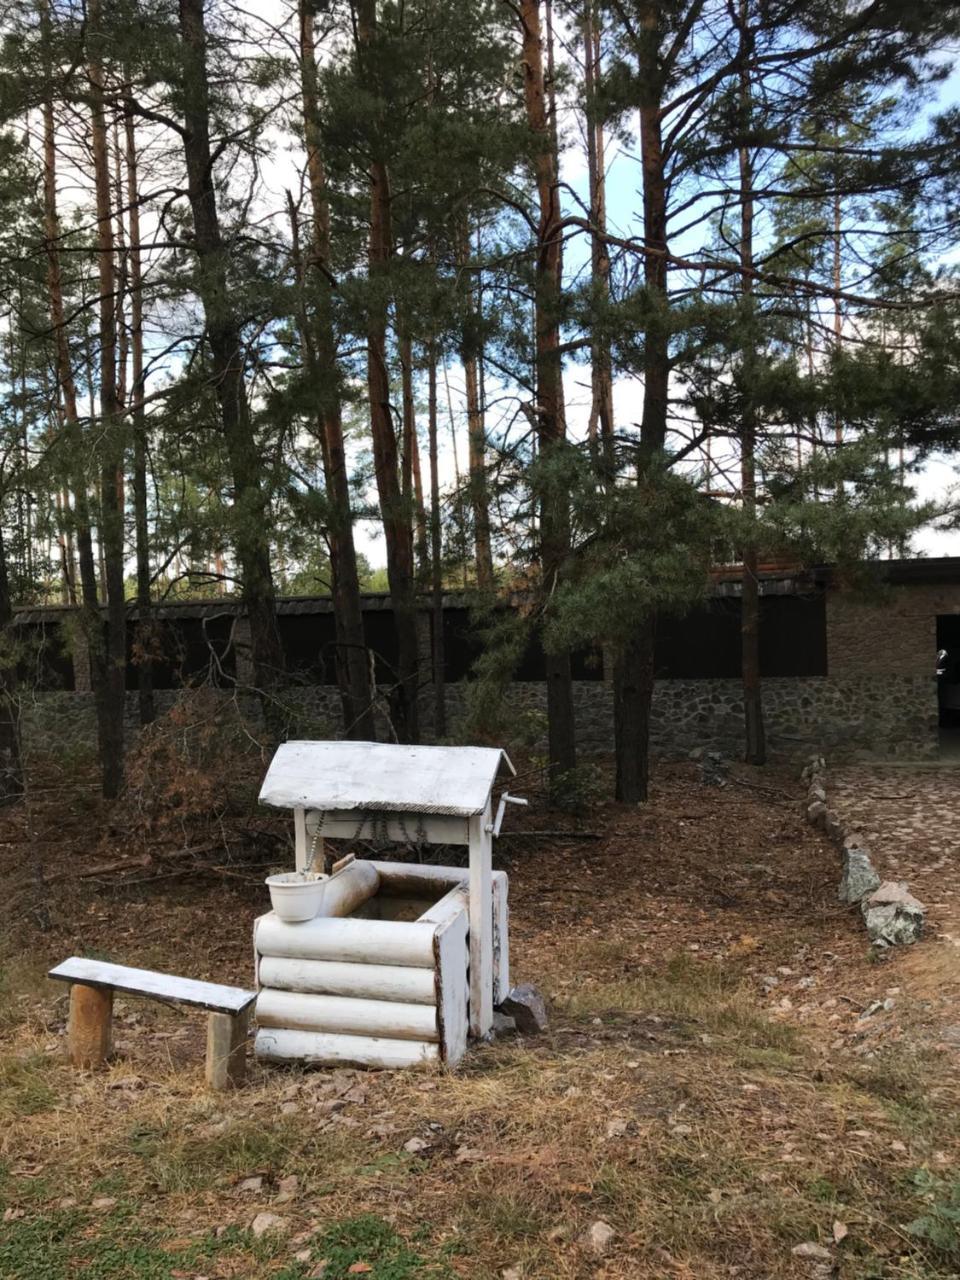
column 395, row 515
column 550, row 410
column 600, row 422
column 412, row 482
column 249, row 514
column 11, row 759
column 67, row 385
column 634, row 669
column 436, row 551
column 144, row 629
column 353, row 666
column 755, row 749
column 112, row 693
column 90, row 624
column 476, row 434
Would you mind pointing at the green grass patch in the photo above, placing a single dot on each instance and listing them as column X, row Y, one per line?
column 370, row 1240
column 175, row 1162
column 24, row 1087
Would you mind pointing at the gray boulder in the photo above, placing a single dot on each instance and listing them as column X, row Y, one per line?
column 528, row 1009
column 859, row 877
column 893, row 916
column 817, row 813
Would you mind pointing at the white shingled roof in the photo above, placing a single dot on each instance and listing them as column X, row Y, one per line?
column 382, row 777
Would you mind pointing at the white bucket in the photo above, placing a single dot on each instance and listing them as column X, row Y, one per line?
column 296, row 895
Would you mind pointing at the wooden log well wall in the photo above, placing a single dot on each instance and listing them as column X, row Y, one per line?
column 379, row 992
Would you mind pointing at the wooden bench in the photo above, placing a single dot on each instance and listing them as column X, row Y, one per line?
column 93, row 983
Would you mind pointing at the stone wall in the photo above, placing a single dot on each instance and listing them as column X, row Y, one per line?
column 848, row 717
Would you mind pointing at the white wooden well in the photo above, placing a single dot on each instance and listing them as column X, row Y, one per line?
column 402, row 959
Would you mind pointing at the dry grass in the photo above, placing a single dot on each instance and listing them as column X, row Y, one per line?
column 672, row 1098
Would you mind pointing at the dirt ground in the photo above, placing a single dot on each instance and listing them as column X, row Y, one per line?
column 730, row 1074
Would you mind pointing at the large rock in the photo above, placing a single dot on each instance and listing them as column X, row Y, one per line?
column 893, row 916
column 527, row 1007
column 817, row 813
column 859, row 877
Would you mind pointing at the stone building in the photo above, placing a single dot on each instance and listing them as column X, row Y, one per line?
column 848, row 668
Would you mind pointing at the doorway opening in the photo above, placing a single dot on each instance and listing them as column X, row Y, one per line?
column 948, row 684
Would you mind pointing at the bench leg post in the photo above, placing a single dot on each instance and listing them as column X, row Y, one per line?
column 90, row 1032
column 226, row 1063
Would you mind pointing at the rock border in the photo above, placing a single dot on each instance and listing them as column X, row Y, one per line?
column 891, row 915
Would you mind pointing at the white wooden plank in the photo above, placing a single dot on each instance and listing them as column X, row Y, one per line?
column 300, row 840
column 303, row 1011
column 420, row 878
column 449, row 905
column 351, row 824
column 501, row 936
column 336, row 978
column 453, row 995
column 283, row 1045
column 481, row 924
column 379, row 776
column 158, row 986
column 358, row 941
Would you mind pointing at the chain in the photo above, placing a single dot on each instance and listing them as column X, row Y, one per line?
column 316, row 840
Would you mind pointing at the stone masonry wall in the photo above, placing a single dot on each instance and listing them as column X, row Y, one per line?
column 850, row 717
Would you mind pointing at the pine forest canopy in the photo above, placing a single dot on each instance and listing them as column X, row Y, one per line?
column 567, row 301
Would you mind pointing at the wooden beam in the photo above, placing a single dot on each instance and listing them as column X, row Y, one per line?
column 300, row 840
column 226, row 1063
column 90, row 1032
column 481, row 924
column 453, row 997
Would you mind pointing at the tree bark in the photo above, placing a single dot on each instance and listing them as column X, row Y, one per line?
column 755, row 747
column 395, row 514
column 250, row 517
column 11, row 759
column 476, row 437
column 634, row 672
column 67, row 385
column 436, row 552
column 550, row 409
column 600, row 422
column 144, row 628
column 412, row 485
column 113, row 690
column 353, row 665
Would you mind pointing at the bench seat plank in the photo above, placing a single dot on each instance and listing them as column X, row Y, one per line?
column 159, row 986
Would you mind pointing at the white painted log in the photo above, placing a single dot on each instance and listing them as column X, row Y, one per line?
column 334, row 978
column 418, row 879
column 453, row 995
column 283, row 1045
column 501, row 937
column 481, row 923
column 303, row 1011
column 450, row 905
column 361, row 824
column 359, row 941
column 349, row 889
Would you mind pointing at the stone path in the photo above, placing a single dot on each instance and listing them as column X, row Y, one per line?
column 910, row 820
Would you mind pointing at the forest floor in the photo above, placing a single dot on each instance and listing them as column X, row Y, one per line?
column 729, row 1074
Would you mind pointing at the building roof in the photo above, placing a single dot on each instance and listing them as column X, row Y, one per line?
column 775, row 579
